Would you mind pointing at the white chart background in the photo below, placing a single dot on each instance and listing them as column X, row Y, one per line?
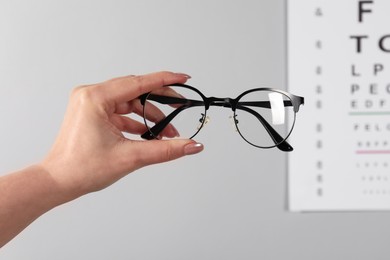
column 343, row 132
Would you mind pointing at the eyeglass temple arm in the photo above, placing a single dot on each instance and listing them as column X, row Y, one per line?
column 295, row 101
column 264, row 104
column 169, row 100
column 176, row 100
column 280, row 142
column 153, row 132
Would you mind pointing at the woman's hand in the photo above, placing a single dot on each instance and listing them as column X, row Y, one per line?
column 91, row 152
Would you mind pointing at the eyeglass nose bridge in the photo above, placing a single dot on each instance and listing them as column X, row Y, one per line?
column 221, row 102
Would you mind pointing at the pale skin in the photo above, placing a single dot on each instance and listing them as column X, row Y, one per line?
column 90, row 152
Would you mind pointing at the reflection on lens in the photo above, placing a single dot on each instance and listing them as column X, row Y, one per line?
column 264, row 118
column 174, row 111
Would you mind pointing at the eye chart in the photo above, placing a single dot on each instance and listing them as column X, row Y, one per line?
column 339, row 60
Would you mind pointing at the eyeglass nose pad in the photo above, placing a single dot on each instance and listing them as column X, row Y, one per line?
column 203, row 121
column 234, row 122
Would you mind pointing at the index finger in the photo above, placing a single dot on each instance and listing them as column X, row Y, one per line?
column 127, row 88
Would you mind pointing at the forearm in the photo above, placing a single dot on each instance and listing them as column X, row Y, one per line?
column 24, row 196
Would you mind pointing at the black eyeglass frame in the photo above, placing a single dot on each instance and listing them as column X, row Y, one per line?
column 234, row 104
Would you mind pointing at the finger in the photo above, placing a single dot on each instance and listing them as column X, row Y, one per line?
column 158, row 151
column 125, row 107
column 131, row 126
column 128, row 125
column 127, row 88
column 133, row 106
column 154, row 115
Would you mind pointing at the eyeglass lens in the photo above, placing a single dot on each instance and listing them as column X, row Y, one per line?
column 173, row 112
column 264, row 118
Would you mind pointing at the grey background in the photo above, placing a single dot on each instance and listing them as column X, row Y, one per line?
column 226, row 203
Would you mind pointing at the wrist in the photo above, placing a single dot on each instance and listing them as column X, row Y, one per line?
column 57, row 192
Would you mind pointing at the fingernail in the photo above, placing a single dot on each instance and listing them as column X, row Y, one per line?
column 184, row 75
column 193, row 148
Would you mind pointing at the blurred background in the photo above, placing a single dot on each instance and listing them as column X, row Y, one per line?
column 228, row 202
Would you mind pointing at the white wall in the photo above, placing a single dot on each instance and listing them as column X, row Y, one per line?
column 226, row 203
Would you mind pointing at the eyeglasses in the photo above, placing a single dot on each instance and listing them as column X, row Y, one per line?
column 264, row 117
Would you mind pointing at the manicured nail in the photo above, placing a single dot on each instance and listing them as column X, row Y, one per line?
column 193, row 148
column 184, row 75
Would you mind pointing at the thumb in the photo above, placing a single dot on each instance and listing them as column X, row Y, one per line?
column 158, row 151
